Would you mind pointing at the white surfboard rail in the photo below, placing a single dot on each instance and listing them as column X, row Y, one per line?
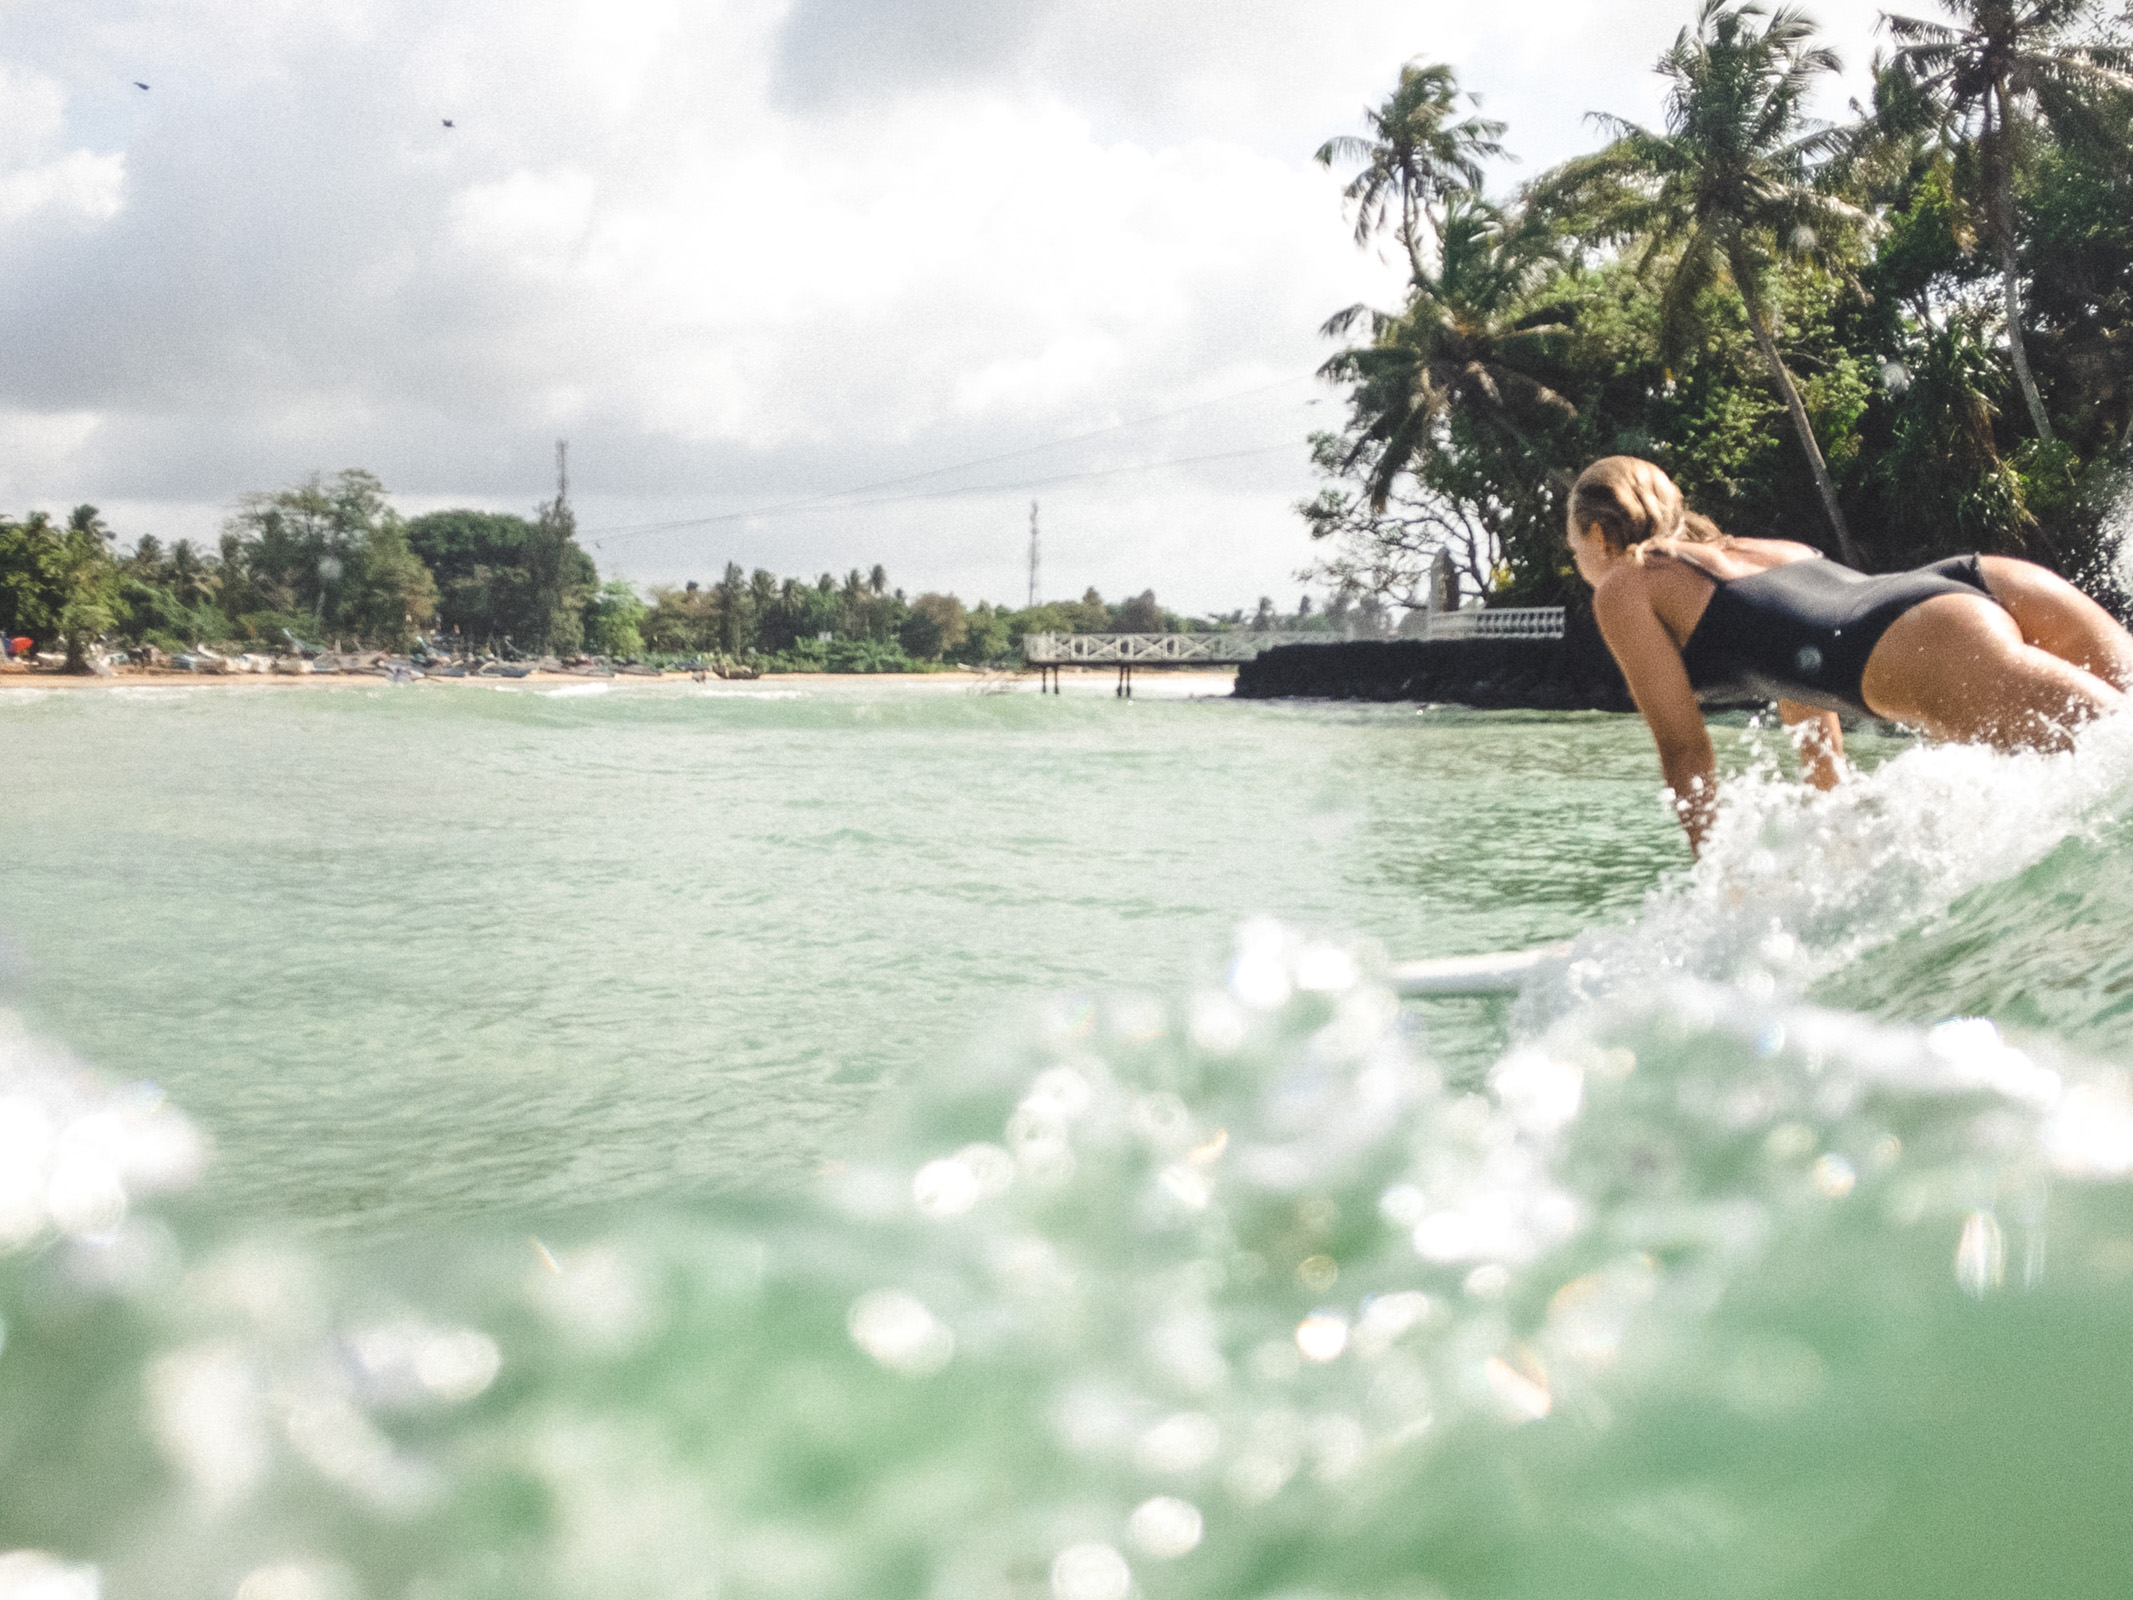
column 1499, row 972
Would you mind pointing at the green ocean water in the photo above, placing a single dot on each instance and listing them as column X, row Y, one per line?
column 878, row 1142
column 420, row 955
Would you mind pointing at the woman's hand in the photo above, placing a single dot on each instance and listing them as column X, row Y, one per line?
column 1651, row 665
column 1819, row 737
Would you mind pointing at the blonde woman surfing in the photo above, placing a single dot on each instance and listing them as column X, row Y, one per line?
column 1976, row 649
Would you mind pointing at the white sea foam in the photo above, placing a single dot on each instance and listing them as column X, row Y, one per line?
column 74, row 1153
column 1794, row 883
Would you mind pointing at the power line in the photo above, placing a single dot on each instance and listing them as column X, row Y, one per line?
column 1004, row 488
column 814, row 502
column 1075, row 477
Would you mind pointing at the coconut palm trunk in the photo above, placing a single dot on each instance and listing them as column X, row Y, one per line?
column 2000, row 161
column 1781, row 375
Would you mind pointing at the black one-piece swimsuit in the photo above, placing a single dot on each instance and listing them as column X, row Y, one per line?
column 1803, row 630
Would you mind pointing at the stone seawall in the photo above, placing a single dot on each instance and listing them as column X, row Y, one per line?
column 1574, row 673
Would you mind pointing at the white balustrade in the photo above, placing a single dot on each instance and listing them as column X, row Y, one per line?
column 1506, row 622
column 1211, row 649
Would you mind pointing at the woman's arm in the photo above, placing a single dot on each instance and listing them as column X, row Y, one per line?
column 1819, row 737
column 1659, row 683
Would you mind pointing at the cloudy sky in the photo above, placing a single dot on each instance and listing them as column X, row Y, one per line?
column 748, row 256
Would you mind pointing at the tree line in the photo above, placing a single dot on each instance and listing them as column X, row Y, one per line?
column 330, row 563
column 1897, row 337
column 860, row 623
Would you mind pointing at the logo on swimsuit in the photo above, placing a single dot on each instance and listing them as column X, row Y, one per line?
column 1809, row 660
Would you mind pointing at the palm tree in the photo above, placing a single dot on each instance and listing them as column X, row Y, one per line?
column 188, row 574
column 1729, row 186
column 1415, row 158
column 2003, row 66
column 1462, row 343
column 87, row 584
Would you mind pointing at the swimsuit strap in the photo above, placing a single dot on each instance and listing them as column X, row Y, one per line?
column 1698, row 566
column 1695, row 566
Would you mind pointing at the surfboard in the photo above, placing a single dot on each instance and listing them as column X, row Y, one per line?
column 1499, row 972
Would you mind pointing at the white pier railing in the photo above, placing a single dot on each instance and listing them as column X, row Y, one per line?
column 1213, row 649
column 1506, row 622
column 1157, row 649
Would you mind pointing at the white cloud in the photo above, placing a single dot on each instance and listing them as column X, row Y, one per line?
column 741, row 252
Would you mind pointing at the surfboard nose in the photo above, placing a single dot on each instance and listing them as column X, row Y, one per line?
column 1500, row 972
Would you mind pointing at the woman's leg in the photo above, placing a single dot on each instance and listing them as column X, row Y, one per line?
column 2057, row 617
column 1962, row 668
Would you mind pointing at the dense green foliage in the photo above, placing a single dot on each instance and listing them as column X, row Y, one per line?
column 504, row 583
column 326, row 562
column 1807, row 325
column 326, row 559
column 329, row 562
column 58, row 583
column 861, row 624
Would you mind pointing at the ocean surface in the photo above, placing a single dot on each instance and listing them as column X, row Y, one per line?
column 862, row 1140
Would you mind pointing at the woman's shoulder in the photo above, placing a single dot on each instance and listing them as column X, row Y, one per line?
column 1633, row 585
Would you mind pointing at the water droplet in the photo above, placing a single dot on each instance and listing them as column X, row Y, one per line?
column 1980, row 1255
column 1403, row 1205
column 1322, row 1336
column 1090, row 1572
column 1834, row 1176
column 898, row 1331
column 943, row 1189
column 1166, row 1528
column 1181, row 1443
column 1524, row 1394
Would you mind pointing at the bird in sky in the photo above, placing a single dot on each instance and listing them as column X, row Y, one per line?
column 449, row 123
column 138, row 84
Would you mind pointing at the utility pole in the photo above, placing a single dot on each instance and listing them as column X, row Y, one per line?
column 562, row 473
column 1033, row 553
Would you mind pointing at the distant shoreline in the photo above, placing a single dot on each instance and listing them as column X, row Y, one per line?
column 165, row 679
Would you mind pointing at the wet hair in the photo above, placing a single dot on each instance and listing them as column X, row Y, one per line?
column 1628, row 500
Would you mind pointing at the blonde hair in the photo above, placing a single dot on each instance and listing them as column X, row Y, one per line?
column 1630, row 501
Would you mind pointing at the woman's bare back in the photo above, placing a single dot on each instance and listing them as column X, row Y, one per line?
column 1677, row 574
